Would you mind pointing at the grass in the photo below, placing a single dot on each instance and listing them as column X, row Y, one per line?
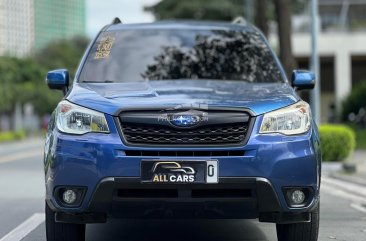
column 7, row 136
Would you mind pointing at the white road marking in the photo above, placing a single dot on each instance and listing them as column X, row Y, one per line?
column 21, row 155
column 358, row 207
column 25, row 228
column 342, row 194
column 346, row 190
column 348, row 187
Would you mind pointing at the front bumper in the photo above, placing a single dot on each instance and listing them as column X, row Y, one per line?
column 99, row 163
column 232, row 198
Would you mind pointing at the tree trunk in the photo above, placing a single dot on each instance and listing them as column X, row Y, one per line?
column 283, row 13
column 261, row 18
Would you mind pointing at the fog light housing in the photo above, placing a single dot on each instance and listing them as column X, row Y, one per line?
column 297, row 197
column 69, row 196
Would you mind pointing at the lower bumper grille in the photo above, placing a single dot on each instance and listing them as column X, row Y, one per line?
column 184, row 153
column 194, row 193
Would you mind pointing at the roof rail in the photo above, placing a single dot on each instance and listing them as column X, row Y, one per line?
column 239, row 20
column 116, row 20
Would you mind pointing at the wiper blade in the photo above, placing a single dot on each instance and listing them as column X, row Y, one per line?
column 105, row 81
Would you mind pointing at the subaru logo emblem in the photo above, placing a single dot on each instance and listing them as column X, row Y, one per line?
column 184, row 120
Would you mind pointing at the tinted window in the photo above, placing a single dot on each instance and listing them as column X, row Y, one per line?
column 159, row 54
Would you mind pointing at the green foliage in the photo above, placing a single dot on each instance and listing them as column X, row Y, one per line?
column 20, row 135
column 360, row 136
column 211, row 10
column 22, row 80
column 12, row 135
column 337, row 142
column 361, row 139
column 63, row 54
column 354, row 101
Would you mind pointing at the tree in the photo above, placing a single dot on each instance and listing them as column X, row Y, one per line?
column 198, row 9
column 63, row 54
column 283, row 14
column 261, row 16
column 22, row 81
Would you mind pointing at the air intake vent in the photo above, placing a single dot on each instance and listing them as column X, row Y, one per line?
column 184, row 153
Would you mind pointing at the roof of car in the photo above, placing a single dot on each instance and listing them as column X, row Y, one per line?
column 183, row 25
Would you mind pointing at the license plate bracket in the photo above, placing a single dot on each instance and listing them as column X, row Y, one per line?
column 179, row 171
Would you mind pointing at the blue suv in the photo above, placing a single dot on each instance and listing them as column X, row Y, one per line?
column 181, row 120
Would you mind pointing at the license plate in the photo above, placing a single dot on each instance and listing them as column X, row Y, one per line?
column 172, row 171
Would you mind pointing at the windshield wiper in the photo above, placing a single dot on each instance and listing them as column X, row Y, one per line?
column 105, row 81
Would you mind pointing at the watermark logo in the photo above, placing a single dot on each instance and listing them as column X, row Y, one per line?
column 172, row 172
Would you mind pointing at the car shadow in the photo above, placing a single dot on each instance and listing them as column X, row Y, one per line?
column 179, row 230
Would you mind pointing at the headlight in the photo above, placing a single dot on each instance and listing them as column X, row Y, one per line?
column 74, row 119
column 292, row 120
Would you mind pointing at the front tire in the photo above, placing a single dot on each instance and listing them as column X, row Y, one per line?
column 300, row 231
column 62, row 231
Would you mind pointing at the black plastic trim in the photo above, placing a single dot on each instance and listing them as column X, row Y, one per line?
column 80, row 218
column 260, row 201
column 214, row 117
column 164, row 107
column 250, row 125
column 309, row 199
column 80, row 198
column 262, row 192
column 285, row 218
column 185, row 153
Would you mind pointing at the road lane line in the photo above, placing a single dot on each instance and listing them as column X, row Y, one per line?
column 25, row 228
column 358, row 207
column 334, row 191
column 21, row 155
column 346, row 186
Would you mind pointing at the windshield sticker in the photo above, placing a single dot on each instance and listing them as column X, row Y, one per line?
column 104, row 47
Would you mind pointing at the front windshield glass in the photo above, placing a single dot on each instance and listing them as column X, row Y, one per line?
column 170, row 54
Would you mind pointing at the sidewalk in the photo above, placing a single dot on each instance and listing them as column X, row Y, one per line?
column 16, row 146
column 335, row 170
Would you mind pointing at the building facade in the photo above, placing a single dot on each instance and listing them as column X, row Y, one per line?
column 55, row 19
column 16, row 27
column 341, row 46
column 29, row 25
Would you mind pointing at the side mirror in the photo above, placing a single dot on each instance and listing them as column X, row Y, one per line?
column 58, row 79
column 303, row 80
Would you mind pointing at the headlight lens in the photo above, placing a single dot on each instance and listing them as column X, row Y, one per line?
column 291, row 120
column 74, row 119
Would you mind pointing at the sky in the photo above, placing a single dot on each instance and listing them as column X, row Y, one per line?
column 102, row 12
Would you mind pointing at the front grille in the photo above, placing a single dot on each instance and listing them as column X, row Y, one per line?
column 220, row 128
column 167, row 135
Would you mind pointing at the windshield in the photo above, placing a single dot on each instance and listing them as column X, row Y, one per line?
column 161, row 54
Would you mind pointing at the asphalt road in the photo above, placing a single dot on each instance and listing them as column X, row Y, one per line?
column 343, row 216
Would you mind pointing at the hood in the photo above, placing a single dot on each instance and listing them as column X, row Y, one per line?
column 111, row 98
